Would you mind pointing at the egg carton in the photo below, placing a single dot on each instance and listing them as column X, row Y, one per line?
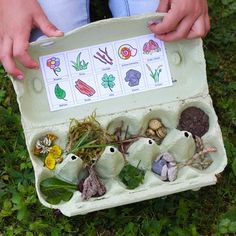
column 190, row 89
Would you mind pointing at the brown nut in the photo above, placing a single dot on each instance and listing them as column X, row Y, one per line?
column 154, row 124
column 161, row 133
column 150, row 132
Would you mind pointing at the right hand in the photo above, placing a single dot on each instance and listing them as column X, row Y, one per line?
column 17, row 18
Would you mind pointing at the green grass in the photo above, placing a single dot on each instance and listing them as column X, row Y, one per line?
column 211, row 210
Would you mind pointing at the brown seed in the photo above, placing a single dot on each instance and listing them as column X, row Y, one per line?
column 161, row 132
column 150, row 132
column 154, row 124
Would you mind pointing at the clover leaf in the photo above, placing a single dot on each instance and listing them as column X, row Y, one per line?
column 108, row 81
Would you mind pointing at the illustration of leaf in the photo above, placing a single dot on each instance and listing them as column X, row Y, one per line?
column 57, row 69
column 105, row 84
column 111, row 78
column 59, row 92
column 108, row 81
column 78, row 59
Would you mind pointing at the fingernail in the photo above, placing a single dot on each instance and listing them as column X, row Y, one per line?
column 59, row 32
column 36, row 66
column 20, row 77
column 153, row 22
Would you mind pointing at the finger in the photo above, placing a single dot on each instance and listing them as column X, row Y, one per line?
column 7, row 60
column 20, row 51
column 207, row 24
column 168, row 24
column 163, row 6
column 181, row 32
column 50, row 30
column 198, row 29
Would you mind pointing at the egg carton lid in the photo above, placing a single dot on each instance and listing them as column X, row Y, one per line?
column 185, row 57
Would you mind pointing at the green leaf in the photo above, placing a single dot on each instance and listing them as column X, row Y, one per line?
column 59, row 92
column 234, row 166
column 56, row 190
column 232, row 227
column 131, row 176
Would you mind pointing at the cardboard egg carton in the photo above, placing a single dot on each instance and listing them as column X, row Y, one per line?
column 189, row 89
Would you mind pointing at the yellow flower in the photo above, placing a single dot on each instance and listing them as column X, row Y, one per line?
column 50, row 161
column 55, row 151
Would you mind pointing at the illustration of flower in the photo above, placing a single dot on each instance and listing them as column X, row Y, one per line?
column 108, row 81
column 53, row 63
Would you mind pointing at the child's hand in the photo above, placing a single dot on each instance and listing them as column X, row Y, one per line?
column 185, row 19
column 17, row 18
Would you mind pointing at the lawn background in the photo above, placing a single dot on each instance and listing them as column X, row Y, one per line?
column 209, row 211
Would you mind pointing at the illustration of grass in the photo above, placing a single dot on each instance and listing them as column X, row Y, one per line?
column 79, row 64
column 156, row 74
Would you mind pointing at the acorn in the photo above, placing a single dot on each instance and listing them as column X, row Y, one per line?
column 154, row 124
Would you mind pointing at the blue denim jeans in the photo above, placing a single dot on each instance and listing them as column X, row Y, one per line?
column 70, row 14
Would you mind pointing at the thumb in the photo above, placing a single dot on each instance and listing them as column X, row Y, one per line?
column 46, row 26
column 164, row 6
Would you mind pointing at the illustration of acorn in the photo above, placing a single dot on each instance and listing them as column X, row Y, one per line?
column 156, row 130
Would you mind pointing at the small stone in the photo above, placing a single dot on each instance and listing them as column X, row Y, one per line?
column 172, row 173
column 164, row 173
column 154, row 124
column 158, row 165
column 171, row 164
column 168, row 157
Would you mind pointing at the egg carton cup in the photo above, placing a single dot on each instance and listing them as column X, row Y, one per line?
column 190, row 89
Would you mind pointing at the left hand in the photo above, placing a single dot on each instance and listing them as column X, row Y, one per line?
column 185, row 19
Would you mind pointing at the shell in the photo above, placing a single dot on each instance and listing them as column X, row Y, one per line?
column 154, row 124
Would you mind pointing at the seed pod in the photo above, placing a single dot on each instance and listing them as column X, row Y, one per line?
column 161, row 132
column 154, row 124
column 150, row 132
